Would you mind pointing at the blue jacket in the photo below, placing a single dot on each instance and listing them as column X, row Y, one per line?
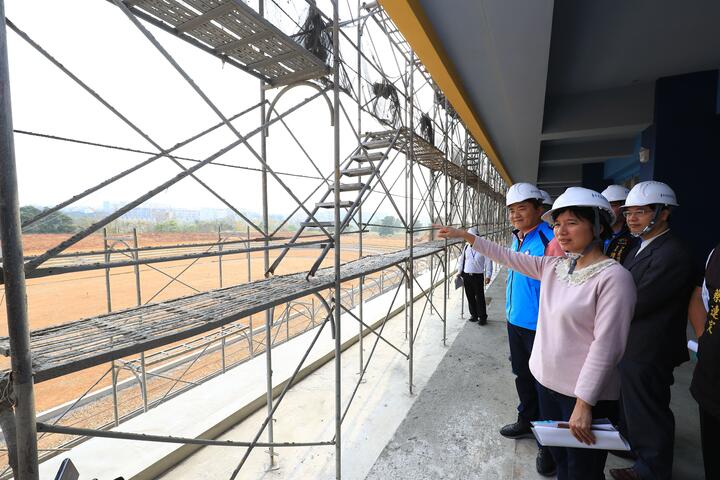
column 522, row 296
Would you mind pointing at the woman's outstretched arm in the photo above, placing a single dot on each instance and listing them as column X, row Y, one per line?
column 529, row 265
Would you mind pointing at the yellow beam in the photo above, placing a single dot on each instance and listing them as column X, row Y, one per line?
column 410, row 18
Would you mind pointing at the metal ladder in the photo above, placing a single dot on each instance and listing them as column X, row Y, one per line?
column 367, row 159
column 474, row 153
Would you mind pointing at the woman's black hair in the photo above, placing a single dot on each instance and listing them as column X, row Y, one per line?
column 588, row 213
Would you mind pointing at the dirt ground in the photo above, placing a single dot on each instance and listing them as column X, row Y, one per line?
column 63, row 298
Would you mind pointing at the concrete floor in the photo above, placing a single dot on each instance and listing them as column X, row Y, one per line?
column 447, row 429
column 307, row 412
column 451, row 431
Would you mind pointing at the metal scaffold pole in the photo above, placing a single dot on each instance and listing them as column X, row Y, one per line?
column 431, row 235
column 266, row 265
column 220, row 248
column 405, row 212
column 108, row 299
column 336, row 239
column 446, row 290
column 361, row 361
column 138, row 299
column 251, row 344
column 465, row 182
column 219, row 318
column 411, row 222
column 14, row 278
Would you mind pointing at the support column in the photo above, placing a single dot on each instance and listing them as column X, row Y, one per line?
column 14, row 274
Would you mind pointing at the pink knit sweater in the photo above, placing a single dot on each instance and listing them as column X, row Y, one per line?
column 582, row 325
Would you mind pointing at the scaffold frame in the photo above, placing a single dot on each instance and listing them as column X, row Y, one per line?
column 454, row 179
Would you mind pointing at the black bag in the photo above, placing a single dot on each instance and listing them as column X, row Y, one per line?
column 459, row 280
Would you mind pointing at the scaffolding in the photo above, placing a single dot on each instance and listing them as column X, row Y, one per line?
column 438, row 161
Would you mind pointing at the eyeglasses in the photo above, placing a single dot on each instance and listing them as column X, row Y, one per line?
column 640, row 212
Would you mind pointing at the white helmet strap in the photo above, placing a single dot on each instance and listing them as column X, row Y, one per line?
column 649, row 226
column 574, row 257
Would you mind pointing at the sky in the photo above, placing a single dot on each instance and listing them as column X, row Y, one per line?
column 96, row 42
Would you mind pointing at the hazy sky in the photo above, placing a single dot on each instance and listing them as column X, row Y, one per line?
column 95, row 40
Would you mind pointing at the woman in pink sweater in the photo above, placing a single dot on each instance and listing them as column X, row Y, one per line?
column 586, row 304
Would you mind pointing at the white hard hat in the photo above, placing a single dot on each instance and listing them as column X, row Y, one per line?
column 650, row 193
column 615, row 193
column 520, row 192
column 473, row 230
column 581, row 197
column 546, row 199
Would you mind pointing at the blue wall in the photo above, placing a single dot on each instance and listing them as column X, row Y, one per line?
column 684, row 144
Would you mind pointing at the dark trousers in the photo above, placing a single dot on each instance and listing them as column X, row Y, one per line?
column 474, row 284
column 521, row 343
column 573, row 463
column 710, row 437
column 616, row 417
column 650, row 423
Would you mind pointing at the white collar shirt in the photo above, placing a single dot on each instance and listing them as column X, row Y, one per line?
column 472, row 261
column 644, row 243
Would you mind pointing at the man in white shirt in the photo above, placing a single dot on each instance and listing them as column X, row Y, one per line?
column 476, row 272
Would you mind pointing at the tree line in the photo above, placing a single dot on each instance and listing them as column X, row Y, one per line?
column 390, row 225
column 56, row 222
column 60, row 222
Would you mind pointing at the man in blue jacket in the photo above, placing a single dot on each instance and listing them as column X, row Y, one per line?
column 532, row 237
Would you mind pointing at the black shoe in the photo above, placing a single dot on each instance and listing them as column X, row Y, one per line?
column 624, row 474
column 519, row 429
column 472, row 319
column 482, row 321
column 545, row 463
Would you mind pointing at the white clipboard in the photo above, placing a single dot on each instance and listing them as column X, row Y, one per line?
column 557, row 434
